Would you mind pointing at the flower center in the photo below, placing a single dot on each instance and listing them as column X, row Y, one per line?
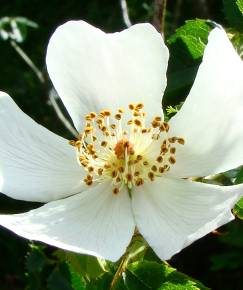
column 125, row 150
column 123, row 146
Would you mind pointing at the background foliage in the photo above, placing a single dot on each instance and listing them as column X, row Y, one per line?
column 217, row 259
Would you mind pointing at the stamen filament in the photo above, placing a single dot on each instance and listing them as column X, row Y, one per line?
column 127, row 158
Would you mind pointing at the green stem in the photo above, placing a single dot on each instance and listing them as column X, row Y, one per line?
column 162, row 29
column 130, row 254
column 28, row 61
column 120, row 270
column 41, row 78
column 159, row 15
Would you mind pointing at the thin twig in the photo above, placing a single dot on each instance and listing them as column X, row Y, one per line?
column 125, row 14
column 41, row 78
column 61, row 116
column 28, row 61
column 120, row 270
column 159, row 15
column 129, row 254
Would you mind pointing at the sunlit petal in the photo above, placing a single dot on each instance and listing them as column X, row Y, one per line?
column 95, row 222
column 35, row 164
column 211, row 118
column 171, row 214
column 92, row 70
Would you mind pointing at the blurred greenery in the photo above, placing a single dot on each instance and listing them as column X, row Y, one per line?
column 233, row 13
column 215, row 260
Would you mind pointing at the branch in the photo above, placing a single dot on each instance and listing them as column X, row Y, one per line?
column 159, row 15
column 120, row 270
column 41, row 78
column 130, row 253
column 125, row 14
column 61, row 115
column 28, row 61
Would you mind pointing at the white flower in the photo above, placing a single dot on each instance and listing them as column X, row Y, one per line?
column 118, row 176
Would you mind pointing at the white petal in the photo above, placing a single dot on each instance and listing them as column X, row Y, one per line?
column 212, row 116
column 35, row 164
column 96, row 222
column 171, row 213
column 93, row 71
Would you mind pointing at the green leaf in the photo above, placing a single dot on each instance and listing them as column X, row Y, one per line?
column 25, row 21
column 88, row 267
column 56, row 272
column 23, row 25
column 194, row 35
column 237, row 40
column 171, row 111
column 239, row 176
column 35, row 260
column 15, row 28
column 60, row 279
column 186, row 47
column 233, row 13
column 132, row 282
column 239, row 3
column 77, row 281
column 149, row 275
column 103, row 282
column 238, row 209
